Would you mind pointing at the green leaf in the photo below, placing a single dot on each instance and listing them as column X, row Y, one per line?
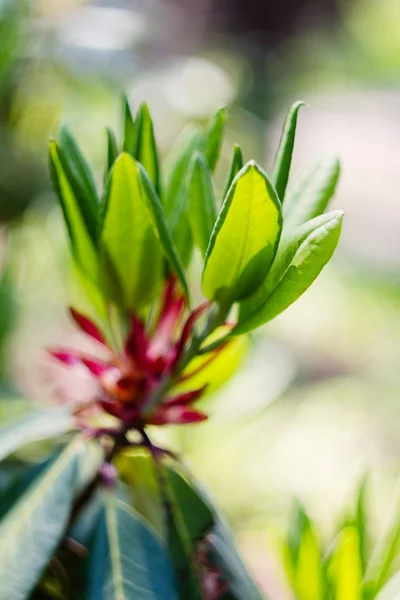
column 201, row 517
column 112, row 151
column 347, row 567
column 297, row 266
column 35, row 426
column 128, row 561
column 159, row 223
column 283, row 158
column 381, row 563
column 81, row 179
column 214, row 136
column 201, row 202
column 310, row 195
column 147, row 153
column 129, row 250
column 130, row 132
column 237, row 164
column 176, row 197
column 79, row 216
column 244, row 239
column 309, row 571
column 33, row 528
column 361, row 524
column 181, row 546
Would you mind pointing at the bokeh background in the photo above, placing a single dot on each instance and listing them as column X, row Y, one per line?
column 317, row 404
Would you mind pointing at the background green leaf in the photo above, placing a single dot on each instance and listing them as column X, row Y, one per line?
column 236, row 165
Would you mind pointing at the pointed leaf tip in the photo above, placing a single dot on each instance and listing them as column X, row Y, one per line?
column 283, row 158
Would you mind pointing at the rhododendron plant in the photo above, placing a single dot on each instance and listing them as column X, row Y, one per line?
column 110, row 514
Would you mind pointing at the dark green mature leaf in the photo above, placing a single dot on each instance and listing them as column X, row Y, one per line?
column 244, row 239
column 180, row 545
column 130, row 132
column 237, row 164
column 147, row 153
column 81, row 178
column 214, row 136
column 283, row 158
column 79, row 216
column 21, row 481
column 310, row 195
column 298, row 264
column 201, row 201
column 176, row 197
column 161, row 230
column 131, row 258
column 112, row 151
column 32, row 529
column 128, row 561
column 203, row 523
column 35, row 426
column 224, row 555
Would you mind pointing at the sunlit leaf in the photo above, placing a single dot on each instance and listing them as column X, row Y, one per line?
column 128, row 562
column 310, row 194
column 214, row 136
column 131, row 259
column 216, row 367
column 147, row 153
column 32, row 529
column 283, row 158
column 347, row 566
column 298, row 264
column 201, row 201
column 79, row 216
column 244, row 239
column 309, row 570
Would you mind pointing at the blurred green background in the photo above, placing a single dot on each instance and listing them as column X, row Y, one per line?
column 317, row 404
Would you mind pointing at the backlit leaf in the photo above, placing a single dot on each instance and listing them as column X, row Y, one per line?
column 298, row 265
column 244, row 239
